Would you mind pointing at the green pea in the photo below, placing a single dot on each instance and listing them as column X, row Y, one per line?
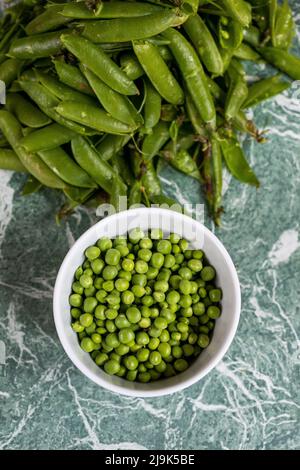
column 144, row 377
column 174, row 238
column 110, row 326
column 188, row 254
column 127, row 297
column 210, row 324
column 92, row 252
column 86, row 319
column 203, row 340
column 86, row 264
column 122, row 349
column 123, row 250
column 188, row 350
column 143, row 355
column 167, row 314
column 203, row 319
column 139, row 280
column 165, row 336
column 122, row 371
column 131, row 362
column 144, row 323
column 192, row 338
column 90, row 291
column 195, row 265
column 77, row 327
column 199, row 308
column 87, row 345
column 202, row 292
column 185, row 286
column 136, row 235
column 145, row 255
column 97, row 265
column 78, row 272
column 113, row 299
column 96, row 338
column 101, row 330
column 160, row 323
column 154, row 343
column 154, row 332
column 170, row 371
column 164, row 247
column 215, row 295
column 121, row 285
column 101, row 295
column 175, row 280
column 90, row 304
column 120, row 241
column 75, row 312
column 126, row 335
column 111, row 313
column 112, row 340
column 157, row 260
column 156, row 234
column 128, row 264
column 181, row 365
column 185, row 273
column 104, row 244
column 111, row 367
column 176, row 335
column 145, row 311
column 125, row 275
column 169, row 261
column 77, row 288
column 146, row 243
column 208, row 273
column 177, row 352
column 112, row 257
column 141, row 267
column 161, row 286
column 152, row 273
column 173, row 297
column 213, row 312
column 159, row 296
column 185, row 301
column 182, row 327
column 194, row 321
column 91, row 329
column 109, row 272
column 101, row 358
column 131, row 375
column 179, row 258
column 86, row 281
column 138, row 291
column 155, row 358
column 183, row 245
column 122, row 322
column 133, row 314
column 187, row 312
column 142, row 338
column 204, row 329
column 175, row 249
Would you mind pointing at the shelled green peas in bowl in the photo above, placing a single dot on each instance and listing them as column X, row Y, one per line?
column 146, row 303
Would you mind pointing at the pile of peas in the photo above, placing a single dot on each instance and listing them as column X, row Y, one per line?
column 143, row 306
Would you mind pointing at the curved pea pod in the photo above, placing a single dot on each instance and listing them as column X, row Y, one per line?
column 265, row 89
column 166, row 201
column 165, row 53
column 13, row 133
column 195, row 118
column 26, row 112
column 48, row 137
column 60, row 90
column 152, row 107
column 230, row 33
column 47, row 103
column 71, row 76
column 217, row 167
column 10, row 70
column 31, row 186
column 135, row 194
column 252, row 35
column 237, row 94
column 204, row 44
column 117, row 105
column 284, row 27
column 245, row 52
column 78, row 195
column 9, row 160
column 189, row 6
column 119, row 192
column 99, row 63
column 272, row 18
column 226, row 55
column 193, row 74
column 111, row 144
column 183, row 162
column 282, row 60
column 37, row 46
column 153, row 142
column 239, row 10
column 93, row 117
column 150, row 181
column 64, row 166
column 49, row 20
column 158, row 72
column 131, row 66
column 129, row 29
column 119, row 163
column 88, row 158
column 236, row 162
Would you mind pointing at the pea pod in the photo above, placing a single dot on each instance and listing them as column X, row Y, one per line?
column 282, row 60
column 119, row 163
column 119, row 192
column 78, row 195
column 236, row 161
column 195, row 118
column 217, row 177
column 99, row 63
column 88, row 158
column 71, row 76
column 48, row 137
column 135, row 194
column 9, row 160
column 230, row 33
column 272, row 19
column 13, row 133
column 252, row 35
column 190, row 6
column 31, row 186
column 204, row 44
column 34, row 47
column 239, row 10
column 155, row 141
column 27, row 113
column 193, row 74
column 284, row 27
column 131, row 66
column 109, row 10
column 158, row 72
column 117, row 105
column 183, row 162
column 245, row 52
column 150, row 181
column 93, row 117
column 64, row 166
column 129, row 29
column 10, row 70
column 265, row 89
column 49, row 20
column 152, row 108
column 60, row 90
column 111, row 144
column 237, row 94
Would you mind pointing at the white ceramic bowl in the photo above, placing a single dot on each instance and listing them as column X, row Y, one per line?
column 199, row 237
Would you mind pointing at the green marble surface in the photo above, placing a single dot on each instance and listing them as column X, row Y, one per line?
column 250, row 401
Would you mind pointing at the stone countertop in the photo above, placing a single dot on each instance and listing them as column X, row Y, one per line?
column 250, row 401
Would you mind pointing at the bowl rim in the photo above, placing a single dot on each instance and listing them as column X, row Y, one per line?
column 180, row 385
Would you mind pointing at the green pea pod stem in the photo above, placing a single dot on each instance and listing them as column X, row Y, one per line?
column 131, row 66
column 13, row 133
column 88, row 158
column 111, row 144
column 119, row 163
column 152, row 107
column 37, row 46
column 31, row 186
column 110, row 10
column 129, row 29
column 60, row 90
column 71, row 76
column 93, row 117
column 47, row 103
column 119, row 190
column 49, row 20
column 236, row 96
column 64, row 166
column 193, row 74
column 282, row 60
column 158, row 72
column 265, row 89
column 150, row 181
column 239, row 10
column 25, row 111
column 9, row 160
column 10, row 70
column 99, row 63
column 204, row 44
column 284, row 27
column 252, row 36
column 183, row 162
column 135, row 194
column 236, row 162
column 117, row 105
column 245, row 52
column 217, row 178
column 153, row 142
column 47, row 138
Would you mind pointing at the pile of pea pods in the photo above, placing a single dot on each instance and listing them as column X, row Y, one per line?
column 99, row 93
